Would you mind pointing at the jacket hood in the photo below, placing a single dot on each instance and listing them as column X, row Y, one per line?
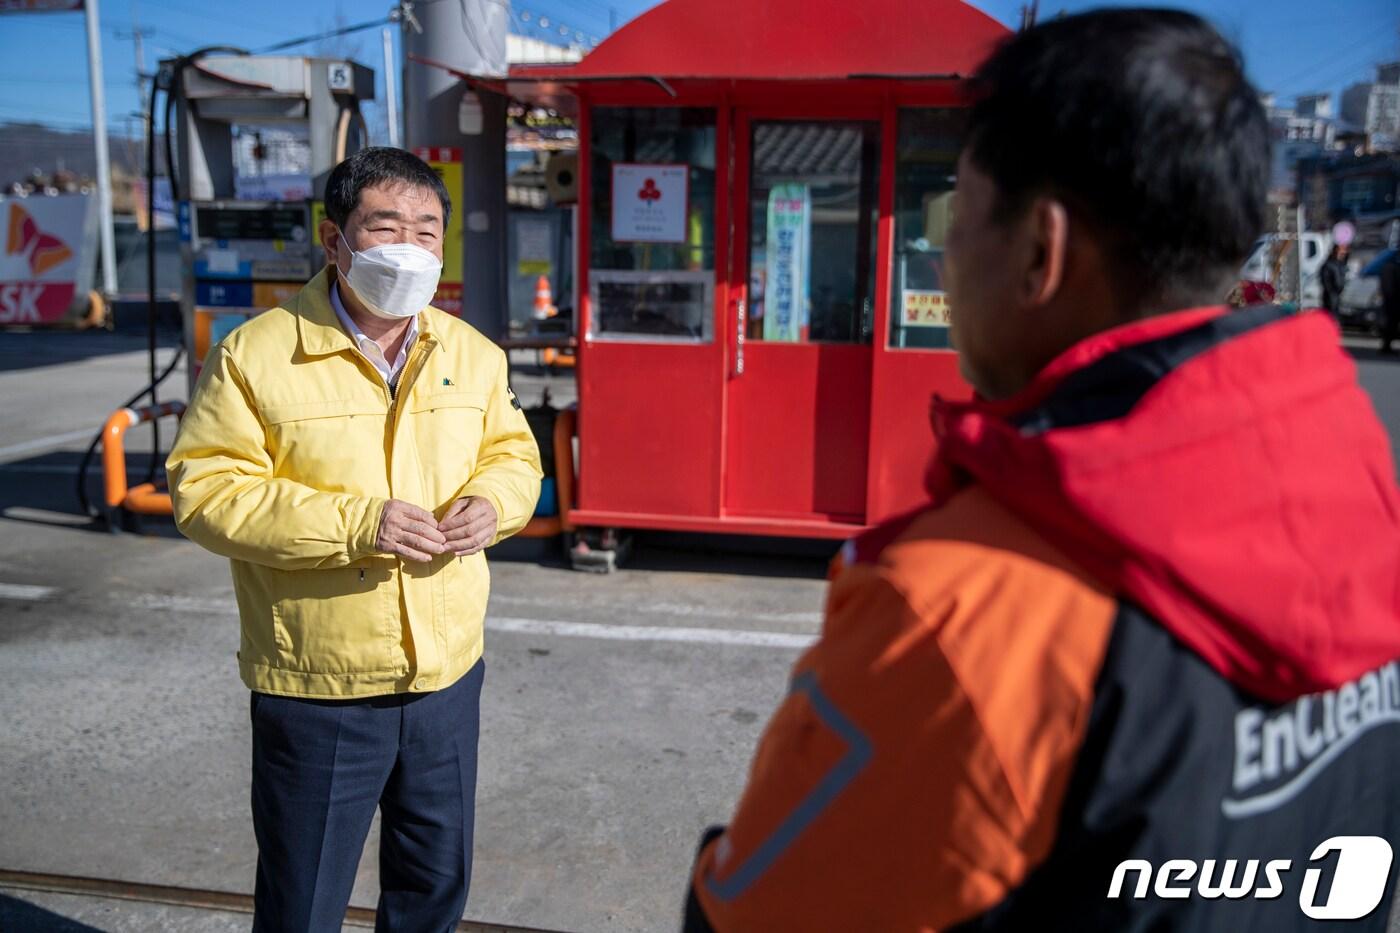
column 1222, row 469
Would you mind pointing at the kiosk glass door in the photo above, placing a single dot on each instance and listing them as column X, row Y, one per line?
column 802, row 288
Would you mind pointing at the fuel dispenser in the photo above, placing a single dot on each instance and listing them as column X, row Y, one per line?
column 242, row 256
column 245, row 247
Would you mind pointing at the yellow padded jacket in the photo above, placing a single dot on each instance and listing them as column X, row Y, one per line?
column 290, row 449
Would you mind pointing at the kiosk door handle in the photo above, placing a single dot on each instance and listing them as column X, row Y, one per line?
column 741, row 320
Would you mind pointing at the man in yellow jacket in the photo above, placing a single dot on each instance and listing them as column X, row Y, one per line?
column 353, row 454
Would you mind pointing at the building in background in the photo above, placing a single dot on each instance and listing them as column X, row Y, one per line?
column 1374, row 108
column 1364, row 189
column 1314, row 106
column 526, row 50
column 1306, row 130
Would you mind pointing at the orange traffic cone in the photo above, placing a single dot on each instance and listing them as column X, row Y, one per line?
column 544, row 299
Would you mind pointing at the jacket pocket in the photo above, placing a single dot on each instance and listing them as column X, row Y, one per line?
column 448, row 428
column 465, row 585
column 338, row 621
column 334, row 446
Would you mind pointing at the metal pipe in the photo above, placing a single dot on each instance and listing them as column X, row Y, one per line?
column 99, row 141
column 114, row 450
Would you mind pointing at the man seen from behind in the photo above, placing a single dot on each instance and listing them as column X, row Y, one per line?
column 1151, row 616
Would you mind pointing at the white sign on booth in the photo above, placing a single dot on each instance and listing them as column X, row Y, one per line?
column 649, row 202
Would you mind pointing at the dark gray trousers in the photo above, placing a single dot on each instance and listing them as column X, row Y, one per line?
column 322, row 767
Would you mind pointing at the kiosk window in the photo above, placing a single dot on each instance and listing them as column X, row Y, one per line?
column 813, row 209
column 652, row 234
column 929, row 141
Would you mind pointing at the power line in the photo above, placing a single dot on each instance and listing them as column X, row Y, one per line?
column 331, row 34
column 1331, row 56
column 1348, row 69
column 26, row 127
column 21, row 79
column 202, row 14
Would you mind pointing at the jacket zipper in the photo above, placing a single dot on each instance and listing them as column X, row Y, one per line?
column 407, row 376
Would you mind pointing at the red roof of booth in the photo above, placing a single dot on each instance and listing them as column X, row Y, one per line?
column 791, row 40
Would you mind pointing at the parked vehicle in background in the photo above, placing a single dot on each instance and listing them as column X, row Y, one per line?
column 1361, row 299
column 1268, row 262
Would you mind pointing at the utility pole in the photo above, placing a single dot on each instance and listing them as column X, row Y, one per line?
column 1030, row 12
column 99, row 139
column 441, row 110
column 391, row 102
column 138, row 36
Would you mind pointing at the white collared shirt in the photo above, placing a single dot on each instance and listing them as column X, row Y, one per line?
column 368, row 347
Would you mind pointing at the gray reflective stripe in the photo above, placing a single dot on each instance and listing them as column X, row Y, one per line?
column 858, row 754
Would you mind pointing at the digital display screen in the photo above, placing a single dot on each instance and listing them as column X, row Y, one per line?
column 268, row 223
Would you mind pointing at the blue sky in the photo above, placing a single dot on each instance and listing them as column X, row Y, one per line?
column 1291, row 46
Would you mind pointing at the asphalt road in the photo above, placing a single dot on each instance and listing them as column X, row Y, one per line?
column 618, row 718
column 619, row 714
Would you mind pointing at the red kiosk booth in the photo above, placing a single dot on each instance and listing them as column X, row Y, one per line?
column 765, row 190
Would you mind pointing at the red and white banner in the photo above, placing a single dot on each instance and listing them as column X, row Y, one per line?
column 42, row 265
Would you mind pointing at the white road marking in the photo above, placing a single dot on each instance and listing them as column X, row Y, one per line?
column 702, row 636
column 24, row 592
column 606, row 631
column 677, row 609
column 194, row 604
column 46, row 443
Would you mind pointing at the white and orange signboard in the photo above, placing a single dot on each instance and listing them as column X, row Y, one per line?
column 41, row 266
column 925, row 308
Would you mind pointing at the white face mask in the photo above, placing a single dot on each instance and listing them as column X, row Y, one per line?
column 395, row 280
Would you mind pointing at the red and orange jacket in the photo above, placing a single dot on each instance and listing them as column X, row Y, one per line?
column 1152, row 613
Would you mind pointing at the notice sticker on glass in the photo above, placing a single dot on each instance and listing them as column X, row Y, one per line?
column 925, row 308
column 649, row 202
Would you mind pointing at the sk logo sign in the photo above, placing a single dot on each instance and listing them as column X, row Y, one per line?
column 44, row 251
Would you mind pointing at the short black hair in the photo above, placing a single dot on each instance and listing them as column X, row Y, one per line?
column 379, row 165
column 1143, row 123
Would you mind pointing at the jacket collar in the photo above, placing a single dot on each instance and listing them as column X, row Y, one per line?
column 318, row 327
